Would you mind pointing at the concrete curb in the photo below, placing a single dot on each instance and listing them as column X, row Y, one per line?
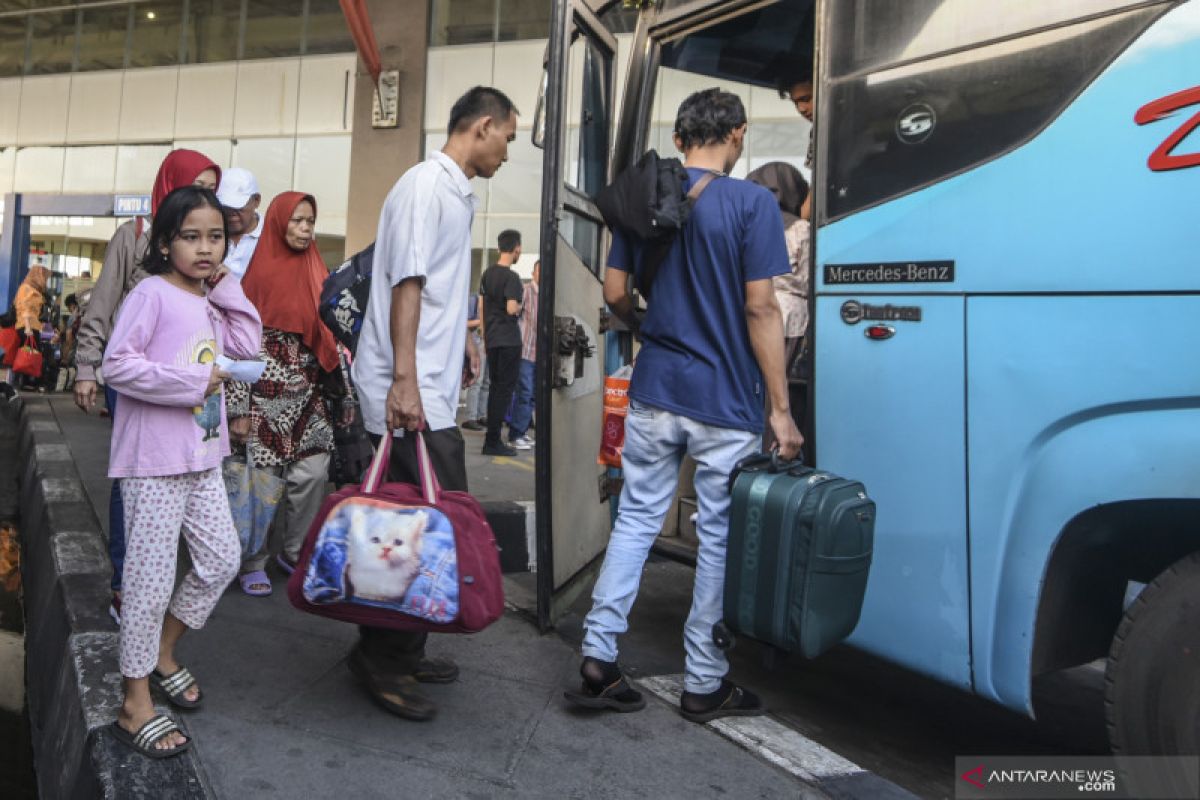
column 826, row 774
column 73, row 682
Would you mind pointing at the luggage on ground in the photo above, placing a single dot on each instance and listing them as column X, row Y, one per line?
column 391, row 555
column 800, row 545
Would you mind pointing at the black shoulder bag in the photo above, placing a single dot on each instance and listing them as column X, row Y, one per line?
column 647, row 202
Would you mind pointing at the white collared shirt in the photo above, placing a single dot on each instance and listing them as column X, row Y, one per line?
column 238, row 256
column 424, row 232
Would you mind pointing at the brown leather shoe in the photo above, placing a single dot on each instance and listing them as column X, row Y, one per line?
column 395, row 693
column 436, row 670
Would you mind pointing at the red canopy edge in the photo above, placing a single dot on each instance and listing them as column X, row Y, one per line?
column 359, row 22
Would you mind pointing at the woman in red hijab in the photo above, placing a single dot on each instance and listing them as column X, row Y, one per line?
column 283, row 419
column 121, row 272
column 122, row 266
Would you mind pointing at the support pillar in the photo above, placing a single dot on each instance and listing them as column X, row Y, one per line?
column 379, row 156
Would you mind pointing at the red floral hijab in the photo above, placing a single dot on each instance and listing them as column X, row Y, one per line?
column 285, row 284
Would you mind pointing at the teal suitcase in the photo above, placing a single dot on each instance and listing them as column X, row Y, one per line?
column 800, row 544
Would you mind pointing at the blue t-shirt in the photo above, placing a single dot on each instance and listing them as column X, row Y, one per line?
column 696, row 358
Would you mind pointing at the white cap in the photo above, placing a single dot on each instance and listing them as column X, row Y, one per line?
column 237, row 187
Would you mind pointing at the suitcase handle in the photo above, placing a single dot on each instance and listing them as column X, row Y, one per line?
column 756, row 461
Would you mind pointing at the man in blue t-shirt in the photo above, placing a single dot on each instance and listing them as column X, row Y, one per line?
column 712, row 354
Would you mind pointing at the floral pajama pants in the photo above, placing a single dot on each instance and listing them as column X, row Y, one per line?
column 156, row 511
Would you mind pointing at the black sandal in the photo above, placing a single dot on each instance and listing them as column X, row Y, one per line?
column 730, row 700
column 617, row 695
column 175, row 685
column 151, row 734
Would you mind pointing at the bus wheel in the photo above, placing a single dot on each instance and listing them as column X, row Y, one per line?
column 1152, row 683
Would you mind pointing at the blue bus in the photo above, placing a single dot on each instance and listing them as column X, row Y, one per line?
column 1005, row 277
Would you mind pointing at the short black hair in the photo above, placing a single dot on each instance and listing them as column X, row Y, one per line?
column 508, row 241
column 168, row 221
column 479, row 101
column 791, row 73
column 708, row 117
column 71, row 300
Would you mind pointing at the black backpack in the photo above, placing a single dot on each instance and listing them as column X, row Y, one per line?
column 647, row 201
column 344, row 297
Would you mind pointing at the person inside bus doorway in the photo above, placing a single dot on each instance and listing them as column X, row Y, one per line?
column 711, row 338
column 790, row 190
column 240, row 199
column 796, row 84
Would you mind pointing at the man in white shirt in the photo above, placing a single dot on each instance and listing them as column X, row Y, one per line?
column 240, row 199
column 413, row 351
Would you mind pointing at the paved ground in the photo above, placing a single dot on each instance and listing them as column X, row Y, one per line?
column 285, row 716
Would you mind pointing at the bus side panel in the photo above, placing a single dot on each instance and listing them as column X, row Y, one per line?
column 890, row 413
column 1075, row 209
column 1072, row 402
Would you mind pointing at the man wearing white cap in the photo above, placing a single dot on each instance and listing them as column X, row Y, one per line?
column 239, row 198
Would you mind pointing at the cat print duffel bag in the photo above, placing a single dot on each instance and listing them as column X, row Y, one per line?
column 391, row 555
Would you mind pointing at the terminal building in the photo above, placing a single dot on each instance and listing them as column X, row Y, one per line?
column 94, row 94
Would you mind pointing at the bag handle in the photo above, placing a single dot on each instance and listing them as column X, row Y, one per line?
column 373, row 479
column 429, row 482
column 774, row 464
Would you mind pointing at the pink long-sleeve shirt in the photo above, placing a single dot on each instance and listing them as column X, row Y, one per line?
column 160, row 359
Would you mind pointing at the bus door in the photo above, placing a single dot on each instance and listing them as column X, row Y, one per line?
column 573, row 125
column 889, row 374
column 684, row 47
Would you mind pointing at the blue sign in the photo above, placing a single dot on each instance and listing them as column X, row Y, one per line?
column 131, row 205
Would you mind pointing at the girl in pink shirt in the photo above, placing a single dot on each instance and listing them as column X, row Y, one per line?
column 167, row 446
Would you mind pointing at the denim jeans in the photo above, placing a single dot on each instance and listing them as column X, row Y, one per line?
column 522, row 405
column 655, row 443
column 116, row 509
column 477, row 393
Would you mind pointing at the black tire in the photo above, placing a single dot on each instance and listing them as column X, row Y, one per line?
column 1152, row 683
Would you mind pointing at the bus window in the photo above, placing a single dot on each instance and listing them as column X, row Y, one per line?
column 894, row 130
column 775, row 133
column 873, row 34
column 589, row 135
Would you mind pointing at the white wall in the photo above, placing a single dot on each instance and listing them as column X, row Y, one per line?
column 512, row 199
column 287, row 120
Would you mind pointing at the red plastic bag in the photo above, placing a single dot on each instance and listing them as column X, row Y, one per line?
column 10, row 343
column 28, row 362
column 616, row 406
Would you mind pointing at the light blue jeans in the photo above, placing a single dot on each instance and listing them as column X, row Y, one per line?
column 655, row 443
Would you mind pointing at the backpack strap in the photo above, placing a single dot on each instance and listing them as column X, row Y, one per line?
column 658, row 253
column 700, row 185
